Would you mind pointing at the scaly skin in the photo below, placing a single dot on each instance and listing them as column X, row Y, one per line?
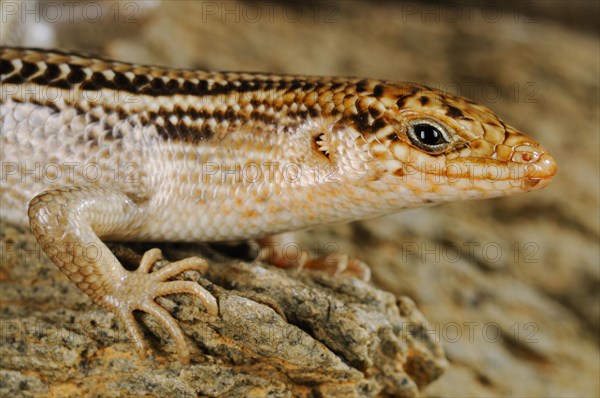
column 96, row 150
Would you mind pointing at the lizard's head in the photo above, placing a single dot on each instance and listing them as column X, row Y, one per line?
column 442, row 147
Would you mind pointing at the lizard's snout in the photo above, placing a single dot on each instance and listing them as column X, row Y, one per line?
column 540, row 166
column 542, row 172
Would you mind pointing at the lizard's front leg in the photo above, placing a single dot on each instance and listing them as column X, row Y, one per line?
column 68, row 224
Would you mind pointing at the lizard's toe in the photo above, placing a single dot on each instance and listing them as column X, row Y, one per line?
column 139, row 289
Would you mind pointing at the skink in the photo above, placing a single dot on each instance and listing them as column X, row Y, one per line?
column 95, row 150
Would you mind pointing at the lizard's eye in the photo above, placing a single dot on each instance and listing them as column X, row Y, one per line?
column 429, row 136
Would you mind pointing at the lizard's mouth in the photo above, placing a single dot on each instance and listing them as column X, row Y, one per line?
column 524, row 172
column 527, row 173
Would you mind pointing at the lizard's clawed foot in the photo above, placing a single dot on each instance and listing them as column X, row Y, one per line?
column 138, row 290
column 273, row 252
column 340, row 265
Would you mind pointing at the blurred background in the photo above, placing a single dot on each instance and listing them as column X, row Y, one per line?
column 510, row 286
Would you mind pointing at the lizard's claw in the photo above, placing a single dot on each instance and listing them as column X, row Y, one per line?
column 341, row 265
column 139, row 288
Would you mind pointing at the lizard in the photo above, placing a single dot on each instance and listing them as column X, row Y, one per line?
column 96, row 150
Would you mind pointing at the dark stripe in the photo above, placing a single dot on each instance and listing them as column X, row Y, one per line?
column 89, row 85
column 375, row 112
column 14, row 79
column 454, row 112
column 142, row 84
column 52, row 72
column 140, row 80
column 6, row 67
column 415, row 90
column 309, row 86
column 28, row 69
column 401, row 101
column 99, row 79
column 62, row 83
column 198, row 131
column 122, row 82
column 182, row 132
column 362, row 86
column 361, row 121
column 76, row 75
column 378, row 91
column 296, row 84
column 379, row 124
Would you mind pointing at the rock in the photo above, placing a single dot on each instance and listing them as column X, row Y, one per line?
column 278, row 334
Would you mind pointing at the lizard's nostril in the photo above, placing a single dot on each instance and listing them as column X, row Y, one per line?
column 526, row 154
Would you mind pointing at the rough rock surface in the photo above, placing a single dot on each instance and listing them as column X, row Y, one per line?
column 278, row 334
column 511, row 287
